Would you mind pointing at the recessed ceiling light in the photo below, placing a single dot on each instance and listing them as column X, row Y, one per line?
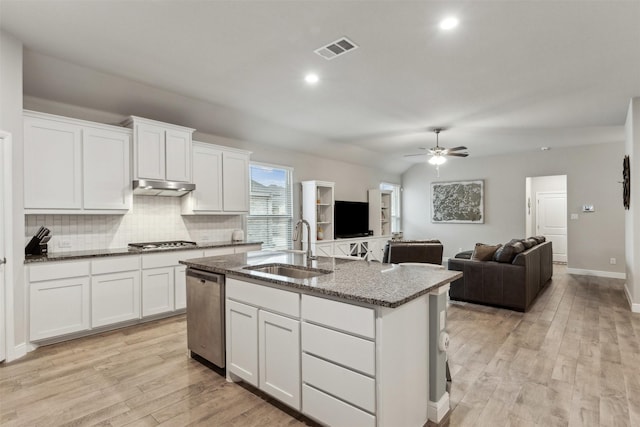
column 449, row 23
column 545, row 148
column 311, row 78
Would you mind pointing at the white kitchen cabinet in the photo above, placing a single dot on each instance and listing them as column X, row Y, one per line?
column 115, row 298
column 242, row 341
column 105, row 169
column 235, row 181
column 158, row 294
column 59, row 299
column 207, row 176
column 180, row 287
column 247, row 248
column 279, row 357
column 161, row 151
column 75, row 166
column 263, row 338
column 52, row 163
column 164, row 281
column 221, row 176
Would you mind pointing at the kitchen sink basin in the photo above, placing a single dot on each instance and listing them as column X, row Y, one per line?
column 286, row 270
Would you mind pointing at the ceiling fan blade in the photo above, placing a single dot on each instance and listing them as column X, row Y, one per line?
column 457, row 148
column 414, row 155
column 458, row 154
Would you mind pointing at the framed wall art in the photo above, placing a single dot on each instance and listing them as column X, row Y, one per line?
column 457, row 202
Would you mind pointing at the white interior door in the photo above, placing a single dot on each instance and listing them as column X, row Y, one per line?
column 3, row 322
column 551, row 221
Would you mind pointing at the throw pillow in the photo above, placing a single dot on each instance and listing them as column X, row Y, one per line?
column 529, row 243
column 484, row 252
column 509, row 251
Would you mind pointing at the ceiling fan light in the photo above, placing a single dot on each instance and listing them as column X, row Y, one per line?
column 437, row 160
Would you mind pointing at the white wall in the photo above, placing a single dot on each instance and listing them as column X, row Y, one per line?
column 11, row 121
column 592, row 173
column 632, row 216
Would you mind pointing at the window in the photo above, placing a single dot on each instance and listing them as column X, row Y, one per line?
column 395, row 205
column 270, row 206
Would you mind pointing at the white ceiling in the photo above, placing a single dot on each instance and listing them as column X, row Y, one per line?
column 514, row 76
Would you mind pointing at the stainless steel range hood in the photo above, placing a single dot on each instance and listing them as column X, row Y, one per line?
column 147, row 187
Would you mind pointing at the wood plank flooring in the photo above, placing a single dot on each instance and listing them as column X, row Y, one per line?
column 573, row 360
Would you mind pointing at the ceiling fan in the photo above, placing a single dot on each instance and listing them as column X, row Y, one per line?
column 439, row 154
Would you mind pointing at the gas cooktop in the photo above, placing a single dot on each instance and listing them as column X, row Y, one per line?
column 171, row 244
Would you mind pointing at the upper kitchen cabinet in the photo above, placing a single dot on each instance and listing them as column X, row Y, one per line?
column 221, row 177
column 161, row 151
column 75, row 166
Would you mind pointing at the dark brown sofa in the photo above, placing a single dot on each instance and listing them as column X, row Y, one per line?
column 426, row 251
column 513, row 285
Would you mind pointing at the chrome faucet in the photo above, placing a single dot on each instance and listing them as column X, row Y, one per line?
column 296, row 233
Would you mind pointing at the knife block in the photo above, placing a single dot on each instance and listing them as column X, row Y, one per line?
column 36, row 248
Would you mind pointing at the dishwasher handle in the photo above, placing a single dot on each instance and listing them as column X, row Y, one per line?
column 209, row 277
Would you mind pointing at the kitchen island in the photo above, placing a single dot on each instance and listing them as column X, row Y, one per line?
column 344, row 341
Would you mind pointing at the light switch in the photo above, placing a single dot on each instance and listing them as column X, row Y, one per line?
column 574, row 216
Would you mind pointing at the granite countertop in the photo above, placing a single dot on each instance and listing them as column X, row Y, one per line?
column 66, row 256
column 386, row 285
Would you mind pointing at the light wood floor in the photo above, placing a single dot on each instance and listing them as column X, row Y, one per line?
column 573, row 360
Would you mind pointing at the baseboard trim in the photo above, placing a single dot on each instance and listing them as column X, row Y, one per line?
column 437, row 410
column 17, row 352
column 635, row 307
column 597, row 273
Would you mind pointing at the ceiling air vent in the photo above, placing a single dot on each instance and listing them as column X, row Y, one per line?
column 336, row 48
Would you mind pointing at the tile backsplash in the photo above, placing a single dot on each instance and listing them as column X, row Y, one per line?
column 151, row 219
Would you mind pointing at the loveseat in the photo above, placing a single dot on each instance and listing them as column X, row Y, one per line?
column 504, row 281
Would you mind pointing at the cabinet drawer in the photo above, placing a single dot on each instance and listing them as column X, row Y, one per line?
column 218, row 251
column 58, row 270
column 115, row 265
column 331, row 411
column 350, row 318
column 284, row 302
column 343, row 383
column 247, row 248
column 346, row 350
column 168, row 259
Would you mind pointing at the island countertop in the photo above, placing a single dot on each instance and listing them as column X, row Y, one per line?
column 386, row 285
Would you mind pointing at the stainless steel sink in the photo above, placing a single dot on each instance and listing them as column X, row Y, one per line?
column 287, row 270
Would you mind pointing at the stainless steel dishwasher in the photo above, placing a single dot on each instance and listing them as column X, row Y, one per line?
column 205, row 315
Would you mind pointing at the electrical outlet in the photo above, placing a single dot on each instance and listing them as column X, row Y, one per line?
column 612, row 261
column 64, row 243
column 206, row 238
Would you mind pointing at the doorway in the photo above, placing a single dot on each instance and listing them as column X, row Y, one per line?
column 546, row 212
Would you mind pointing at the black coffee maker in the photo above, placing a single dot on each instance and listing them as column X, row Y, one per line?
column 37, row 246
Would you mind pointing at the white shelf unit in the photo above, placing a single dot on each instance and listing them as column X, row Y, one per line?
column 317, row 208
column 380, row 212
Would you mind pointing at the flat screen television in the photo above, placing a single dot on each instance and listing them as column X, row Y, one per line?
column 351, row 219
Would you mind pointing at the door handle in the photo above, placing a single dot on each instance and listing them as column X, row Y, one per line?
column 3, row 261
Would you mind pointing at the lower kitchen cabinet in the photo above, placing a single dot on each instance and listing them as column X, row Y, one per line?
column 59, row 307
column 279, row 357
column 157, row 291
column 180, row 286
column 115, row 298
column 242, row 341
column 263, row 346
column 59, row 299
